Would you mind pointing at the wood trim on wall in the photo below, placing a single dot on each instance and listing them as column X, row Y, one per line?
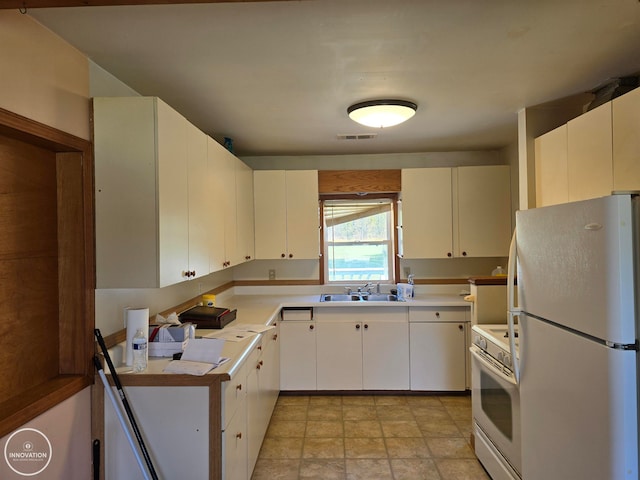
column 357, row 181
column 72, row 316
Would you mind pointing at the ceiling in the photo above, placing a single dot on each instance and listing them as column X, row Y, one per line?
column 277, row 77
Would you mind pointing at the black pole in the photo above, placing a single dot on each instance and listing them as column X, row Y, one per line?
column 125, row 403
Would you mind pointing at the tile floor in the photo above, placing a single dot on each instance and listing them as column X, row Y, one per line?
column 377, row 437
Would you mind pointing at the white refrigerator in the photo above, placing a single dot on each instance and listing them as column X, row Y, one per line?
column 577, row 285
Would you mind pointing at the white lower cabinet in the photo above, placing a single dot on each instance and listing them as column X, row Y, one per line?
column 439, row 348
column 248, row 402
column 298, row 354
column 362, row 348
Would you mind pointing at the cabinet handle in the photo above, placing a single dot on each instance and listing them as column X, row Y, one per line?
column 260, row 347
column 260, row 363
column 275, row 337
column 357, row 326
column 239, row 386
column 239, row 435
column 248, row 257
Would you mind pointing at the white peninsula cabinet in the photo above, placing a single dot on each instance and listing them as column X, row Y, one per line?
column 456, row 212
column 362, row 348
column 149, row 162
column 439, row 348
column 286, row 214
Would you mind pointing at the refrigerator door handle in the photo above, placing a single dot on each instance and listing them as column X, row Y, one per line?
column 513, row 310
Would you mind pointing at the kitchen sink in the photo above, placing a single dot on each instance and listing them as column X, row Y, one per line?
column 363, row 297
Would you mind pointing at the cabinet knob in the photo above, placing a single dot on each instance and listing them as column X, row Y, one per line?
column 460, row 327
column 282, row 255
column 449, row 254
column 357, row 326
column 239, row 386
column 260, row 347
column 247, row 257
column 291, row 255
column 366, row 326
column 310, row 327
column 275, row 337
column 239, row 435
column 193, row 273
column 437, row 314
column 464, row 254
column 259, row 365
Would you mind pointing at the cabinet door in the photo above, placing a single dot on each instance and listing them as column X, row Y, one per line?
column 437, row 356
column 626, row 141
column 228, row 174
column 484, row 211
column 235, row 439
column 270, row 199
column 244, row 200
column 297, row 356
column 199, row 191
column 385, row 355
column 254, row 422
column 339, row 359
column 173, row 200
column 589, row 157
column 217, row 175
column 303, row 227
column 552, row 182
column 427, row 213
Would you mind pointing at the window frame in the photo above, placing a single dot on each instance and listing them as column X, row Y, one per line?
column 394, row 262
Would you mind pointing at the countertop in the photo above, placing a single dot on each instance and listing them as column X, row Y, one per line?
column 265, row 309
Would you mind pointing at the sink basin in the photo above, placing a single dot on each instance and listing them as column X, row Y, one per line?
column 374, row 297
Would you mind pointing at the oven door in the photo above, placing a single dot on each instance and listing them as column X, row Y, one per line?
column 495, row 403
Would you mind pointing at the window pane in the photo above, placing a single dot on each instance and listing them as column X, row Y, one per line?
column 358, row 240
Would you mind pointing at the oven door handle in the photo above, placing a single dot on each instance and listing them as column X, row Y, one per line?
column 479, row 355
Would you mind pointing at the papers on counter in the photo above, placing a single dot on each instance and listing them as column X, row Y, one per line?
column 199, row 357
column 238, row 333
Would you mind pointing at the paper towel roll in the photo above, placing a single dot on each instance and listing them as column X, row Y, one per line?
column 135, row 318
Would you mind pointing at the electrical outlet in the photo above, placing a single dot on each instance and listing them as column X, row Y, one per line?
column 407, row 272
column 272, row 274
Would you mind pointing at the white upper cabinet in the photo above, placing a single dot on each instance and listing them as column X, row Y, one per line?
column 286, row 214
column 143, row 165
column 626, row 141
column 599, row 153
column 231, row 213
column 456, row 212
column 484, row 211
column 427, row 213
column 589, row 154
column 244, row 200
column 552, row 183
column 199, row 201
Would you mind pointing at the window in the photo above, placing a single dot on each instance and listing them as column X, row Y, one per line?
column 358, row 241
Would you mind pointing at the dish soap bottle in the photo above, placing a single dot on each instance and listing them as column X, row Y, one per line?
column 499, row 272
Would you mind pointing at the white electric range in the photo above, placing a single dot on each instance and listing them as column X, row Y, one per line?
column 495, row 401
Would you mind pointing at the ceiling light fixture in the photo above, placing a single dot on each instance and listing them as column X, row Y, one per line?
column 382, row 113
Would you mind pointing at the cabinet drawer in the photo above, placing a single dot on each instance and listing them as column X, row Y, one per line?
column 438, row 314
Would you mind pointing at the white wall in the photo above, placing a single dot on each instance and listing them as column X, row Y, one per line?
column 42, row 77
